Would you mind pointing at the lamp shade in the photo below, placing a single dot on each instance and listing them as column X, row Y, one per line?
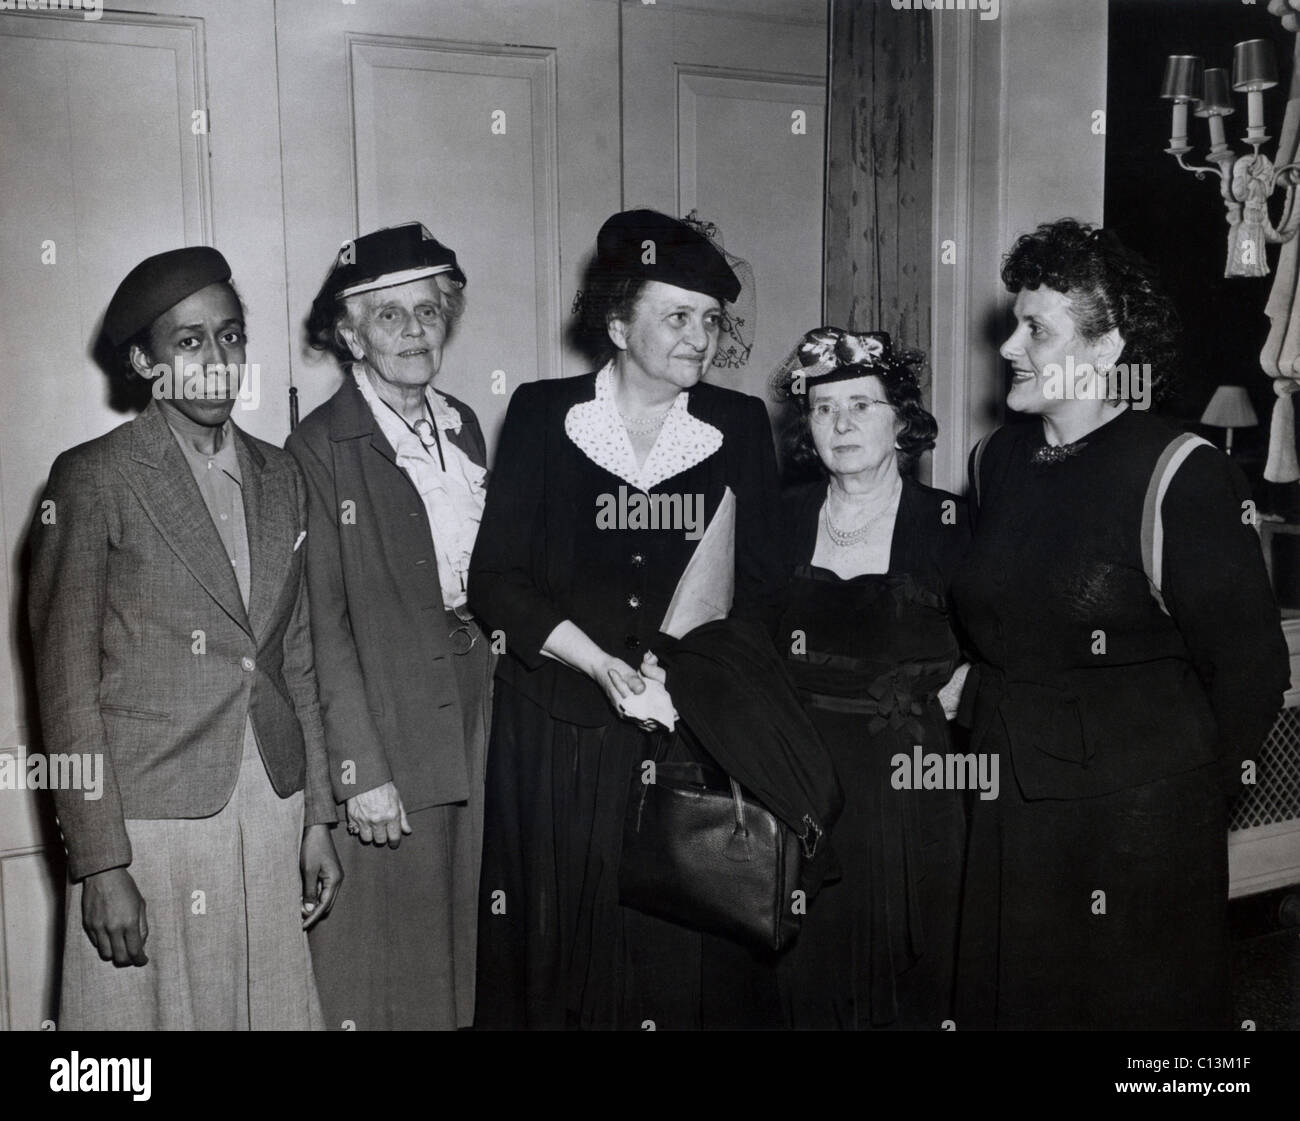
column 1230, row 407
column 1217, row 101
column 1254, row 66
column 1184, row 78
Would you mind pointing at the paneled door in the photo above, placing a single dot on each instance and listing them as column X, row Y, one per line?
column 724, row 112
column 496, row 125
column 119, row 137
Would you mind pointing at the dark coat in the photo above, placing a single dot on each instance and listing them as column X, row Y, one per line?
column 124, row 575
column 388, row 690
column 541, row 559
column 1094, row 687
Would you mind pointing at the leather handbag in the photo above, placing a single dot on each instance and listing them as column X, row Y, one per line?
column 711, row 859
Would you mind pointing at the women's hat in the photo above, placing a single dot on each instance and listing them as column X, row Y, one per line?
column 644, row 244
column 388, row 257
column 158, row 284
column 830, row 354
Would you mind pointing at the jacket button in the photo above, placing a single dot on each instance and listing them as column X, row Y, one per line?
column 638, row 559
column 632, row 642
column 248, row 664
column 634, row 601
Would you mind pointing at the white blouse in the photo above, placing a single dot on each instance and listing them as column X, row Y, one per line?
column 453, row 499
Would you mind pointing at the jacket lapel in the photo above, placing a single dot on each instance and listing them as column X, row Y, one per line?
column 270, row 514
column 470, row 437
column 351, row 419
column 160, row 478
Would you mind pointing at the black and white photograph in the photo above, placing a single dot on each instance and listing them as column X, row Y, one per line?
column 532, row 518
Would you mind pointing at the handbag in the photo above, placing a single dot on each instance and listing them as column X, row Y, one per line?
column 711, row 859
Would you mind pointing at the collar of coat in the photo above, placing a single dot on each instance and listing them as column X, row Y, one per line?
column 597, row 429
column 162, row 481
column 351, row 418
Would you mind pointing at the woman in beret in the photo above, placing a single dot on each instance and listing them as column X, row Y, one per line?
column 580, row 583
column 170, row 619
column 1129, row 656
column 871, row 648
column 395, row 482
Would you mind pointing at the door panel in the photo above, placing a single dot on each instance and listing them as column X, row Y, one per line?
column 724, row 112
column 98, row 141
column 512, row 201
column 731, row 122
column 509, row 154
column 108, row 172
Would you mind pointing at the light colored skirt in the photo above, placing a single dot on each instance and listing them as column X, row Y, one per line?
column 223, row 899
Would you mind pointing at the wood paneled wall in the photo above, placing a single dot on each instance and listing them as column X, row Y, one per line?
column 880, row 247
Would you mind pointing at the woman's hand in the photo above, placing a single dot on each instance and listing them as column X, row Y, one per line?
column 322, row 874
column 377, row 816
column 651, row 669
column 569, row 644
column 113, row 914
column 657, row 678
column 950, row 694
column 617, row 679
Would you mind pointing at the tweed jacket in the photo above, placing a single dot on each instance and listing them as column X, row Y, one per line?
column 145, row 653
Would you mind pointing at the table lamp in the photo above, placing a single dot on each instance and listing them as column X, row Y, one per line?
column 1230, row 408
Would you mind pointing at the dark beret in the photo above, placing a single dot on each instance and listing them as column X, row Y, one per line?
column 159, row 283
column 390, row 256
column 678, row 254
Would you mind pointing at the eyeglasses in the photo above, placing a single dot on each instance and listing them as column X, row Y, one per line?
column 825, row 411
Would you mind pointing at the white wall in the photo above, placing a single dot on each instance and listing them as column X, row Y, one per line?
column 1014, row 146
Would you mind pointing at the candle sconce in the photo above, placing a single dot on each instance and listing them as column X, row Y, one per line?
column 1246, row 182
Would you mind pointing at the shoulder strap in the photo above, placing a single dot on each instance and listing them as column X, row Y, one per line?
column 977, row 460
column 1153, row 528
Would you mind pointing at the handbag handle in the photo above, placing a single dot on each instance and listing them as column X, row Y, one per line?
column 738, row 848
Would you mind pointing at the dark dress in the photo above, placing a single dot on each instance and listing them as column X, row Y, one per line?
column 1096, row 886
column 877, row 948
column 555, row 947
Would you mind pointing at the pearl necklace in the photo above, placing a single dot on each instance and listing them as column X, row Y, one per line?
column 643, row 424
column 846, row 539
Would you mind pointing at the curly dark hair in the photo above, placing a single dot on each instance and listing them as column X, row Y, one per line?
column 607, row 294
column 1110, row 288
column 902, row 391
column 328, row 314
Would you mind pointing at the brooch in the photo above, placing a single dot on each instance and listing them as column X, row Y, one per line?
column 1052, row 454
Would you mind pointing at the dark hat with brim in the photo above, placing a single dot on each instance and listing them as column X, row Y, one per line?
column 644, row 244
column 388, row 257
column 158, row 284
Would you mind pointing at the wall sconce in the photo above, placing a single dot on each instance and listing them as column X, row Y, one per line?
column 1230, row 408
column 1246, row 182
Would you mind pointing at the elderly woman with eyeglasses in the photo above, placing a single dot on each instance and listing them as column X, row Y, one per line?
column 395, row 474
column 872, row 651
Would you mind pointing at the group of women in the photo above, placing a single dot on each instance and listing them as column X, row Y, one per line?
column 479, row 642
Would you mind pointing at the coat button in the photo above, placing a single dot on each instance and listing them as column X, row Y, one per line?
column 248, row 664
column 634, row 601
column 638, row 559
column 632, row 642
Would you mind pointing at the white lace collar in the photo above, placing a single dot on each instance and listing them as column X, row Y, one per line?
column 596, row 428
